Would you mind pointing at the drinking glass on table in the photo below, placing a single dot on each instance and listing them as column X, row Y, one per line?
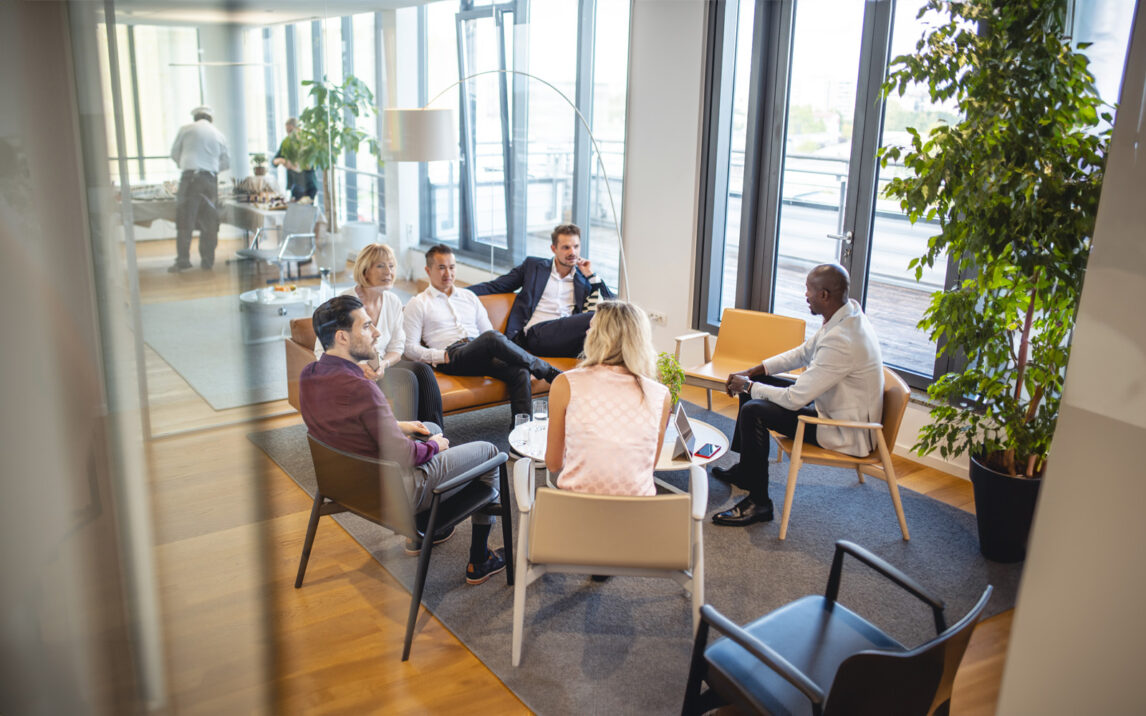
column 520, row 419
column 541, row 409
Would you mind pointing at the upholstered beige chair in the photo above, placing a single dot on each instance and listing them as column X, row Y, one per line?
column 569, row 532
column 877, row 464
column 745, row 339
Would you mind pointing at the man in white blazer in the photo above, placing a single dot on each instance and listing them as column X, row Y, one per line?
column 843, row 380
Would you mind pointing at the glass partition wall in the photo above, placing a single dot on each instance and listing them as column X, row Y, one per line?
column 206, row 343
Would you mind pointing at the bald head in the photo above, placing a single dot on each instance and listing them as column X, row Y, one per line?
column 832, row 278
column 827, row 289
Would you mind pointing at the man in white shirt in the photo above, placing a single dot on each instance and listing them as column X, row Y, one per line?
column 551, row 313
column 200, row 150
column 448, row 327
column 844, row 376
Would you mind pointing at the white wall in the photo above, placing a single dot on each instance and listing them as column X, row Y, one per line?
column 1079, row 636
column 662, row 159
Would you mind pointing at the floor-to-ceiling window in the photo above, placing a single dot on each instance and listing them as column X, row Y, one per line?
column 795, row 122
column 526, row 162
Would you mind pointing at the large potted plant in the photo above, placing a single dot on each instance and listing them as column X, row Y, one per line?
column 328, row 129
column 1014, row 186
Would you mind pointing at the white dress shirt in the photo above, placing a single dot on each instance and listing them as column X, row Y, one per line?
column 437, row 320
column 557, row 299
column 844, row 377
column 199, row 146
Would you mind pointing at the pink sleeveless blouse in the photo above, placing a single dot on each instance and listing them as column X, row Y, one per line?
column 611, row 432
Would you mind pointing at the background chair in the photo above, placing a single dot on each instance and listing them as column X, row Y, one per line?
column 569, row 532
column 296, row 244
column 815, row 656
column 877, row 463
column 745, row 338
column 378, row 490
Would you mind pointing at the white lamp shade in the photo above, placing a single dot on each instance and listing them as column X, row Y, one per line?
column 419, row 135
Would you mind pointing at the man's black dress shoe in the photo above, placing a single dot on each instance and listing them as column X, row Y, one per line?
column 745, row 513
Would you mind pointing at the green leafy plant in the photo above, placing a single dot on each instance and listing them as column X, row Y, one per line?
column 1015, row 186
column 670, row 374
column 330, row 128
column 258, row 160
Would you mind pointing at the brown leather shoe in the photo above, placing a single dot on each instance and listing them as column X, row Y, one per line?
column 744, row 513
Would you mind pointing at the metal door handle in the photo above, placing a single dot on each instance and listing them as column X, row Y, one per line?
column 846, row 237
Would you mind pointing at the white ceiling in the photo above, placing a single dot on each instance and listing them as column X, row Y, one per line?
column 245, row 12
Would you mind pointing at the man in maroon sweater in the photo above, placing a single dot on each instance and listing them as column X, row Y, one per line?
column 346, row 410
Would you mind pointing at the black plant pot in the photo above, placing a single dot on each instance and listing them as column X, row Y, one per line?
column 1004, row 508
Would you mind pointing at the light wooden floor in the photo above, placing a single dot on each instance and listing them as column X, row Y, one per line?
column 240, row 639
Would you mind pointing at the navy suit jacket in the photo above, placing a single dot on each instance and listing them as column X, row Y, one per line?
column 530, row 276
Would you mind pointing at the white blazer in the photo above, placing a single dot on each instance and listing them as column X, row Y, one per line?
column 844, row 377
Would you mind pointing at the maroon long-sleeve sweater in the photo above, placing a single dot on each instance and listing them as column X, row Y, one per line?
column 346, row 410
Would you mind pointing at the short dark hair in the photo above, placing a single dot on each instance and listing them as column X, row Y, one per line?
column 437, row 249
column 564, row 230
column 334, row 316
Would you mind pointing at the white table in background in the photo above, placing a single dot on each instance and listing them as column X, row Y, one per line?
column 529, row 439
column 265, row 314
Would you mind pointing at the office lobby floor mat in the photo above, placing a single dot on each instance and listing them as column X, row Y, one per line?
column 202, row 339
column 622, row 646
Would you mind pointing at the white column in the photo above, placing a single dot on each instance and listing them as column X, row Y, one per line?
column 224, row 89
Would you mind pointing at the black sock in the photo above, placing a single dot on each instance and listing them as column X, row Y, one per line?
column 478, row 547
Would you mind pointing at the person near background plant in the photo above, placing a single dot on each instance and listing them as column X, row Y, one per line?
column 843, row 376
column 328, row 130
column 300, row 182
column 1014, row 186
column 607, row 416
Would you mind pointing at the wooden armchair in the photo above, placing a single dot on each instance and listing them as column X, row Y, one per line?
column 575, row 533
column 877, row 463
column 745, row 339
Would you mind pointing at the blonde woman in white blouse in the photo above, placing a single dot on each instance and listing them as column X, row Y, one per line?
column 607, row 416
column 410, row 387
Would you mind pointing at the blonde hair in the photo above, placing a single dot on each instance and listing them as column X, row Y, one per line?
column 620, row 335
column 369, row 256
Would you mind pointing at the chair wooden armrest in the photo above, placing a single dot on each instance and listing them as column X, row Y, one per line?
column 523, row 485
column 471, row 474
column 688, row 337
column 698, row 488
column 887, row 570
column 768, row 656
column 839, row 423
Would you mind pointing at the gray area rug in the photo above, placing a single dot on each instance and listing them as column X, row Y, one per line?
column 622, row 646
column 202, row 340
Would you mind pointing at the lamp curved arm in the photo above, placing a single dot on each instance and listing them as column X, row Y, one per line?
column 624, row 288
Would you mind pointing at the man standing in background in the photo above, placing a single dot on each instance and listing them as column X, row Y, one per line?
column 200, row 150
column 300, row 182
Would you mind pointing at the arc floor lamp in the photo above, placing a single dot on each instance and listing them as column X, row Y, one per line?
column 429, row 134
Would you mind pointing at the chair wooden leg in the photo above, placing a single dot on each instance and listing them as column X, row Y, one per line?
column 506, row 523
column 307, row 543
column 892, row 485
column 692, row 687
column 708, row 393
column 859, row 474
column 420, row 577
column 519, row 588
column 793, row 471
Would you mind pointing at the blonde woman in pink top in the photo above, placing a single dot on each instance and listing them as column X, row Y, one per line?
column 607, row 417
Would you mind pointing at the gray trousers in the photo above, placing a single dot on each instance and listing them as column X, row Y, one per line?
column 452, row 462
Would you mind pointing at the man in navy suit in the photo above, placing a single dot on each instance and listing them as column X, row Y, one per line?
column 550, row 316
